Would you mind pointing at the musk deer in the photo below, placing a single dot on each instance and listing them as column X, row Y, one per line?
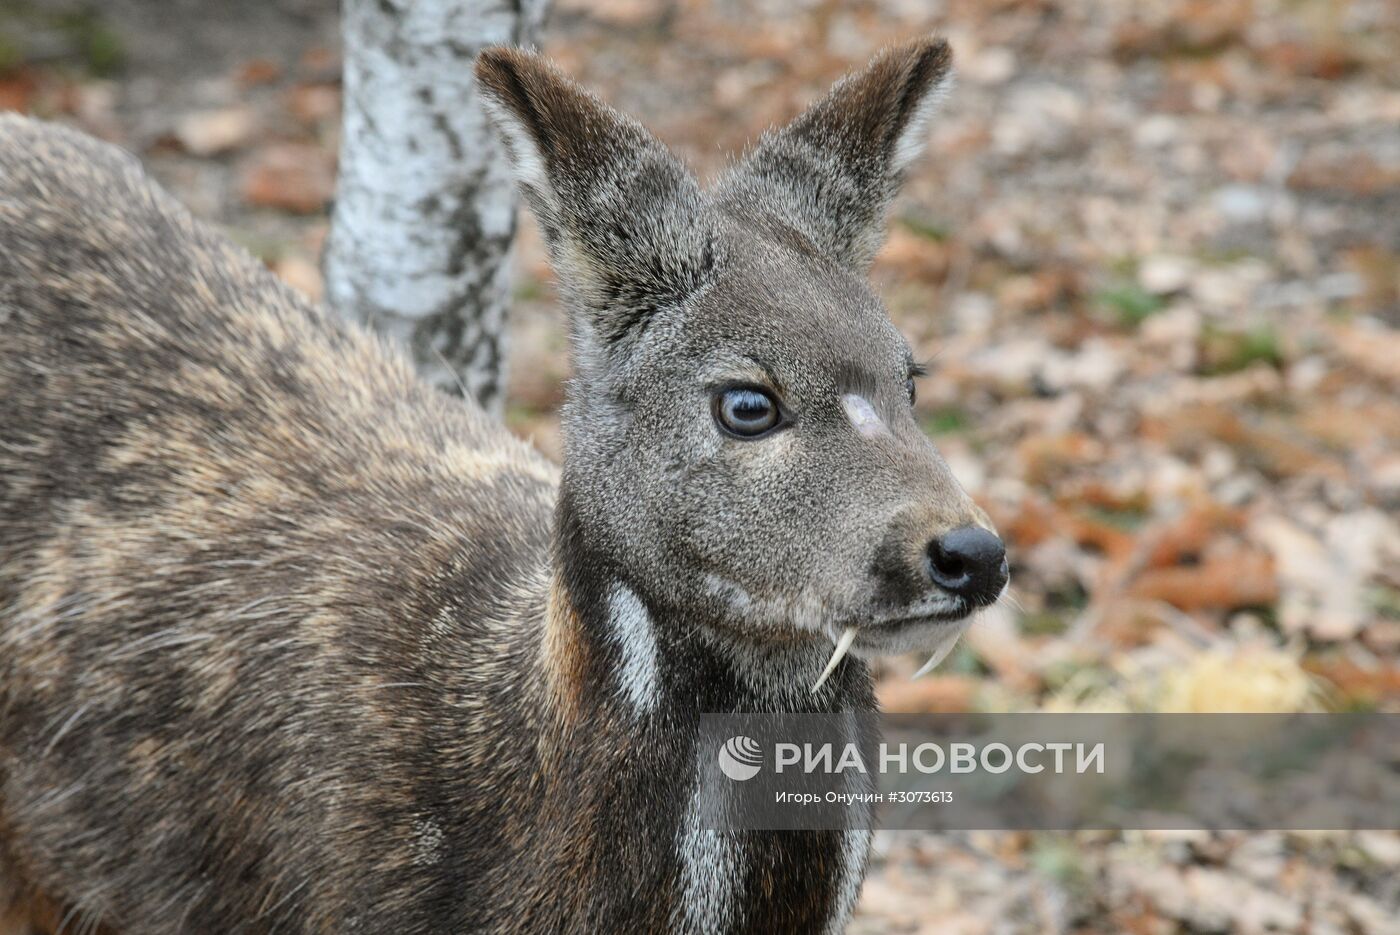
column 291, row 643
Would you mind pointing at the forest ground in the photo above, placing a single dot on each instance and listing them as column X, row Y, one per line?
column 1154, row 260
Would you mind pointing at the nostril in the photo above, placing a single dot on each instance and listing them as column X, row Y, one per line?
column 949, row 568
column 969, row 561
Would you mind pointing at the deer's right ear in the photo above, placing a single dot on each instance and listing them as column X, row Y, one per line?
column 829, row 176
column 624, row 220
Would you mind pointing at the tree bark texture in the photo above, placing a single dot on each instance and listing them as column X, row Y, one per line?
column 425, row 207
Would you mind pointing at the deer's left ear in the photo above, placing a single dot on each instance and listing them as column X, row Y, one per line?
column 830, row 175
column 624, row 220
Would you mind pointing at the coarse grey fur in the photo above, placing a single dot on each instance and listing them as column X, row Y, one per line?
column 678, row 292
column 291, row 642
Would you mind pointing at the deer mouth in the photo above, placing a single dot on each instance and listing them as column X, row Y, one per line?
column 940, row 608
column 896, row 621
column 910, row 632
column 933, row 625
column 899, row 634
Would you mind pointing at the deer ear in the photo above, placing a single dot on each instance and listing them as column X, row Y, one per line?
column 830, row 175
column 623, row 218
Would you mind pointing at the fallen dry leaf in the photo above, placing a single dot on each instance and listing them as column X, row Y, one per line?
column 211, row 132
column 313, row 104
column 1325, row 574
column 17, row 90
column 258, row 71
column 1242, row 579
column 295, row 177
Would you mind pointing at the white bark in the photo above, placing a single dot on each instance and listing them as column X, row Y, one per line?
column 425, row 207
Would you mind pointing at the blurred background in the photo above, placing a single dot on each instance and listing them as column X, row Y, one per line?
column 1153, row 258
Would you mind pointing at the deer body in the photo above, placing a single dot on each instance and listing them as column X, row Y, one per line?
column 290, row 642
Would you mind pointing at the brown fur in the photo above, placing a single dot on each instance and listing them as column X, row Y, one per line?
column 219, row 506
column 272, row 612
column 291, row 643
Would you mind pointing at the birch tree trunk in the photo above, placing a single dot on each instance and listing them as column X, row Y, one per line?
column 425, row 208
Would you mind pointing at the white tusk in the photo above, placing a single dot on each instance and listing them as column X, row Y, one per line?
column 940, row 652
column 842, row 646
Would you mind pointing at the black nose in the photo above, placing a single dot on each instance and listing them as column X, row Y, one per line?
column 969, row 562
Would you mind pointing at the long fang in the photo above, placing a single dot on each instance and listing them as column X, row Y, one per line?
column 843, row 645
column 940, row 652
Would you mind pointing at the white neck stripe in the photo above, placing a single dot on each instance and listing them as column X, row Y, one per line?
column 635, row 635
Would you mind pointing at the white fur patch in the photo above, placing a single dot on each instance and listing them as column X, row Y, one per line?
column 912, row 140
column 855, row 848
column 427, row 842
column 863, row 415
column 807, row 611
column 712, row 870
column 526, row 158
column 636, row 638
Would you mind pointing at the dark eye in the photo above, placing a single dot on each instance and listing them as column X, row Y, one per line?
column 746, row 412
column 911, row 389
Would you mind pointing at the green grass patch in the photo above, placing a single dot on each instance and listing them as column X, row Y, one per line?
column 530, row 290
column 77, row 39
column 521, row 415
column 1060, row 673
column 1223, row 256
column 949, row 421
column 1225, row 352
column 1071, row 596
column 1385, row 601
column 1043, row 623
column 1058, row 858
column 965, row 661
column 927, row 228
column 1127, row 518
column 1128, row 303
column 102, row 52
column 265, row 248
column 1125, row 266
column 1062, row 605
column 11, row 56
